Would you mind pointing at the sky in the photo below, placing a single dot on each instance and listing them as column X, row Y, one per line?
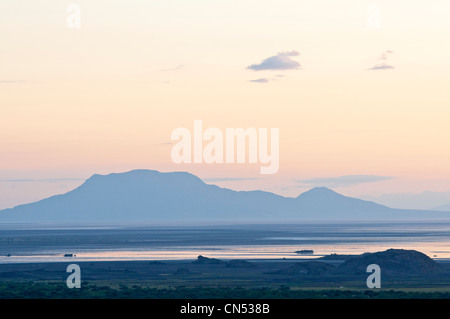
column 358, row 90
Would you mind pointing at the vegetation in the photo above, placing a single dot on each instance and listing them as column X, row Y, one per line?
column 58, row 290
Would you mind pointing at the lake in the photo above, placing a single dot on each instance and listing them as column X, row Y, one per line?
column 44, row 243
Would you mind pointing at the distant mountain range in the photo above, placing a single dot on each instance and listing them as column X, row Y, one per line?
column 427, row 200
column 443, row 208
column 146, row 196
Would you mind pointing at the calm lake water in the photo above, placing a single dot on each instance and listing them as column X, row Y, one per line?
column 49, row 244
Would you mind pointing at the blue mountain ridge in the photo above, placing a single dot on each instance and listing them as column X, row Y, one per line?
column 146, row 196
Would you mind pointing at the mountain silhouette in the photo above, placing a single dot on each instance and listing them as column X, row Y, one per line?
column 146, row 196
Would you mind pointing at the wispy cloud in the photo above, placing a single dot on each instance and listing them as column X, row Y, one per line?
column 343, row 181
column 281, row 61
column 277, row 77
column 384, row 55
column 12, row 81
column 262, row 80
column 383, row 65
column 228, row 179
column 41, row 180
column 178, row 67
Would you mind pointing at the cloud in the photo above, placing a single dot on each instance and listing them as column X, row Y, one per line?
column 343, row 181
column 266, row 80
column 178, row 67
column 384, row 55
column 45, row 180
column 281, row 61
column 262, row 80
column 229, row 179
column 12, row 81
column 384, row 65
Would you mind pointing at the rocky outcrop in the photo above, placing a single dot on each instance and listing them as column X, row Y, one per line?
column 392, row 262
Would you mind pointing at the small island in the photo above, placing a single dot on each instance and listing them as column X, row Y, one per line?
column 305, row 251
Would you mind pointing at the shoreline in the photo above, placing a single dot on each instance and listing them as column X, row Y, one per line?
column 295, row 259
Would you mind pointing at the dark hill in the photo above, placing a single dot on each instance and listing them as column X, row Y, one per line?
column 392, row 262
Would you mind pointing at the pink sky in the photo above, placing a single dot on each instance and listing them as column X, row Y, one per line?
column 105, row 98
